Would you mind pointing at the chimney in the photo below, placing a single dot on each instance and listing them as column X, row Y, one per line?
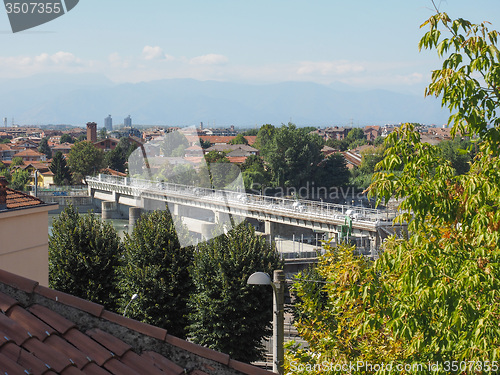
column 91, row 132
column 3, row 193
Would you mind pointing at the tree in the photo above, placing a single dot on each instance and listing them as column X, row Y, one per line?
column 239, row 140
column 58, row 166
column 458, row 152
column 84, row 254
column 20, row 179
column 264, row 136
column 44, row 148
column 205, row 144
column 84, row 159
column 157, row 269
column 433, row 294
column 332, row 171
column 227, row 314
column 66, row 138
column 103, row 133
column 292, row 155
column 17, row 161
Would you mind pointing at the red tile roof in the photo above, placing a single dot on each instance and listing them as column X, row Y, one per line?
column 43, row 331
column 17, row 199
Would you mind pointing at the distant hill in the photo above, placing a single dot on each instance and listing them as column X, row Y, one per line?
column 79, row 99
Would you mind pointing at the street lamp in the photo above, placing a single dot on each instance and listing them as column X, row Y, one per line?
column 134, row 296
column 278, row 285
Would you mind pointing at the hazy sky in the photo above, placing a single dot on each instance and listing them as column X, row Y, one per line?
column 365, row 43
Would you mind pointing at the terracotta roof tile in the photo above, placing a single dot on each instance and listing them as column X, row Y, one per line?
column 156, row 332
column 93, row 369
column 18, row 282
column 13, row 330
column 8, row 366
column 202, row 351
column 118, row 368
column 167, row 366
column 140, row 364
column 24, row 358
column 67, row 299
column 31, row 323
column 6, row 302
column 70, row 336
column 71, row 352
column 56, row 321
column 110, row 342
column 17, row 199
column 55, row 359
column 94, row 350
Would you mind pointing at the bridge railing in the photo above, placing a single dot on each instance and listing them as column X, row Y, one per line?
column 281, row 204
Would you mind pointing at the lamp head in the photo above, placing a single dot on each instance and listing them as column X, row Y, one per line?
column 259, row 278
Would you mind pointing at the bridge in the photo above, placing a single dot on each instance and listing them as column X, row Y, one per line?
column 203, row 208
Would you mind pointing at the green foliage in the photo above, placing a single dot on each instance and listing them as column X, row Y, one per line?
column 84, row 159
column 255, row 175
column 84, row 254
column 337, row 144
column 333, row 171
column 264, row 136
column 355, row 134
column 17, row 161
column 227, row 314
column 205, row 144
column 4, row 172
column 157, row 269
column 4, row 140
column 44, row 148
column 58, row 166
column 174, row 144
column 330, row 310
column 292, row 156
column 239, row 140
column 459, row 152
column 20, row 179
column 66, row 138
column 117, row 158
column 102, row 134
column 432, row 296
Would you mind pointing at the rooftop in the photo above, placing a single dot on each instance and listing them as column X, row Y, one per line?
column 43, row 331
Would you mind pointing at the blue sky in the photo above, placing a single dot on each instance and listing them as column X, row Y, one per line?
column 365, row 43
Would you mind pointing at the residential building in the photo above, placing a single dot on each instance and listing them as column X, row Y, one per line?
column 31, row 155
column 107, row 144
column 24, row 234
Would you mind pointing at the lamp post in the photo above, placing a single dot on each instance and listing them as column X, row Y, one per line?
column 278, row 285
column 134, row 296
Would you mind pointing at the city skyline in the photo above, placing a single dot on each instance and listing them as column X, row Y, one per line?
column 365, row 45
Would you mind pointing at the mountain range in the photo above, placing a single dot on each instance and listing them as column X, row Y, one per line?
column 78, row 99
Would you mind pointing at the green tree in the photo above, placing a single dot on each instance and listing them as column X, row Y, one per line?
column 17, row 161
column 458, row 152
column 66, row 138
column 227, row 314
column 103, row 133
column 84, row 159
column 433, row 295
column 84, row 255
column 239, row 140
column 264, row 136
column 157, row 269
column 20, row 179
column 332, row 171
column 293, row 156
column 44, row 148
column 255, row 175
column 58, row 166
column 205, row 144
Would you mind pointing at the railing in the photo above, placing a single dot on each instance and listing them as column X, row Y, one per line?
column 280, row 204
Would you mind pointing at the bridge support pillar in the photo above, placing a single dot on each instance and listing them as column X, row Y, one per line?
column 374, row 245
column 270, row 230
column 134, row 213
column 108, row 210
